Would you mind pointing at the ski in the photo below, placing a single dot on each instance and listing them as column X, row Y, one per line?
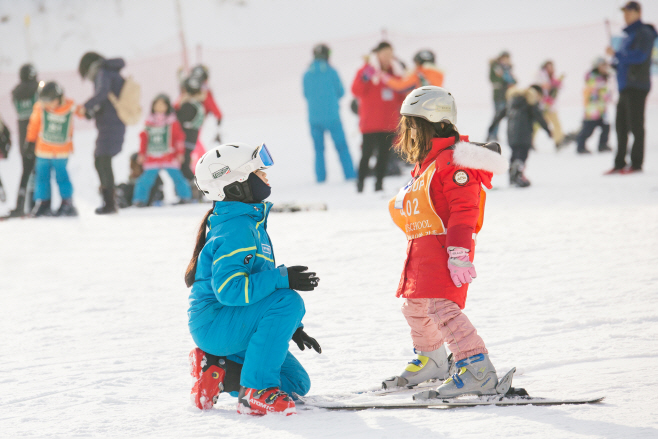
column 490, row 400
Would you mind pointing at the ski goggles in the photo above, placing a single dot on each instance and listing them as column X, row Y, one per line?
column 260, row 159
column 263, row 155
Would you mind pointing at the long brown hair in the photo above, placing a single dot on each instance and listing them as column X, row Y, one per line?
column 415, row 151
column 190, row 273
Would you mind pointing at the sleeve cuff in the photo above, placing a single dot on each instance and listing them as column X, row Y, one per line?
column 460, row 236
column 282, row 281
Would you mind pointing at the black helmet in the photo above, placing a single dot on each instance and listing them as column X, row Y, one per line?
column 192, row 85
column 49, row 91
column 321, row 51
column 27, row 73
column 86, row 61
column 424, row 56
column 200, row 71
column 166, row 99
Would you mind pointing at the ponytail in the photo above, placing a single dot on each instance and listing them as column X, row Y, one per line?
column 190, row 273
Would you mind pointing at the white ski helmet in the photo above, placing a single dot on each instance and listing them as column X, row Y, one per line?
column 229, row 163
column 432, row 103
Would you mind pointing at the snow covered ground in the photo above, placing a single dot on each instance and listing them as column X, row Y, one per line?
column 94, row 336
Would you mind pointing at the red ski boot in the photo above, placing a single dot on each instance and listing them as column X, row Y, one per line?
column 261, row 402
column 210, row 378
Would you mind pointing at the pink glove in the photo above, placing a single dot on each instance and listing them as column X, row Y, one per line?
column 461, row 269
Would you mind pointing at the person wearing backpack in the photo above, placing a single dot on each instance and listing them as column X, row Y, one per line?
column 104, row 73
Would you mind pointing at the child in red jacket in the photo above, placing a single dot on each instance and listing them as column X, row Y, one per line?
column 440, row 211
column 161, row 148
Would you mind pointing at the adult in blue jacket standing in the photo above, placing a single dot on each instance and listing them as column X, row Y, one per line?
column 633, row 64
column 323, row 89
column 104, row 73
column 243, row 308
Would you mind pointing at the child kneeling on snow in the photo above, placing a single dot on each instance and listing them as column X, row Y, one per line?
column 50, row 138
column 161, row 148
column 440, row 211
column 243, row 308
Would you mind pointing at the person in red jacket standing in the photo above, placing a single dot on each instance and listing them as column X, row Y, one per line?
column 162, row 144
column 440, row 211
column 378, row 110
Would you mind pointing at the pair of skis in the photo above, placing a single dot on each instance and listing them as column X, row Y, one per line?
column 429, row 399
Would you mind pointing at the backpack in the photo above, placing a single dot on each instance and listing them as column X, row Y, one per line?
column 128, row 104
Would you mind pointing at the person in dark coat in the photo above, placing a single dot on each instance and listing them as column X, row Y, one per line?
column 633, row 64
column 104, row 73
column 24, row 96
column 522, row 112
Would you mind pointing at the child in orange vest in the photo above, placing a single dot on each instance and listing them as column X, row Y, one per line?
column 49, row 138
column 440, row 211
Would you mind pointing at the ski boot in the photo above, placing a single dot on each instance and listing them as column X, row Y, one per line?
column 429, row 365
column 67, row 208
column 265, row 401
column 516, row 177
column 214, row 375
column 476, row 376
column 210, row 379
column 41, row 208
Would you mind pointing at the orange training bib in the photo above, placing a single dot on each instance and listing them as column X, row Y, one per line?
column 412, row 209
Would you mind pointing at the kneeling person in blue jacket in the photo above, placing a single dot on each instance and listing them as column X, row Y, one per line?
column 243, row 308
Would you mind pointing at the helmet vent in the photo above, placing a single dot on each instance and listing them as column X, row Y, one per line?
column 413, row 103
column 218, row 154
column 235, row 146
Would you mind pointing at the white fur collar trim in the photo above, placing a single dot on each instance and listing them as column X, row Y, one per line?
column 472, row 156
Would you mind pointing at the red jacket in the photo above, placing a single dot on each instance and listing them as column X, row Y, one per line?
column 425, row 273
column 161, row 142
column 211, row 106
column 379, row 105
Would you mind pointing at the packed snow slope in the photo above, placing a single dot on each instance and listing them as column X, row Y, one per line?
column 95, row 340
column 94, row 329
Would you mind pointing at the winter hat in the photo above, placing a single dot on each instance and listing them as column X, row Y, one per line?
column 200, row 71
column 381, row 46
column 86, row 61
column 27, row 73
column 192, row 85
column 424, row 56
column 321, row 51
column 167, row 101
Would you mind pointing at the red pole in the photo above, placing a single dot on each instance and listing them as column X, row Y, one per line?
column 186, row 65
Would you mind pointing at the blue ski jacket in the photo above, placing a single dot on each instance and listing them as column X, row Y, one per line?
column 633, row 59
column 236, row 266
column 322, row 90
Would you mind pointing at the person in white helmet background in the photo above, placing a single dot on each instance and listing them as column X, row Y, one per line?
column 440, row 211
column 244, row 309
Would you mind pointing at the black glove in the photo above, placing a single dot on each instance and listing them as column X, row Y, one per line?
column 29, row 150
column 303, row 339
column 300, row 280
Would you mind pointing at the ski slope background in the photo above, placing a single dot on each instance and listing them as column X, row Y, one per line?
column 94, row 336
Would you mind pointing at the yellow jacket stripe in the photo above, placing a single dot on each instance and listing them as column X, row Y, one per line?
column 258, row 255
column 246, row 286
column 247, row 249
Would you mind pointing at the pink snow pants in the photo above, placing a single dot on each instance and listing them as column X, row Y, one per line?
column 437, row 321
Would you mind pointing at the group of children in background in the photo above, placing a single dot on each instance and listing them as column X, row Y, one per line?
column 167, row 143
column 529, row 108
